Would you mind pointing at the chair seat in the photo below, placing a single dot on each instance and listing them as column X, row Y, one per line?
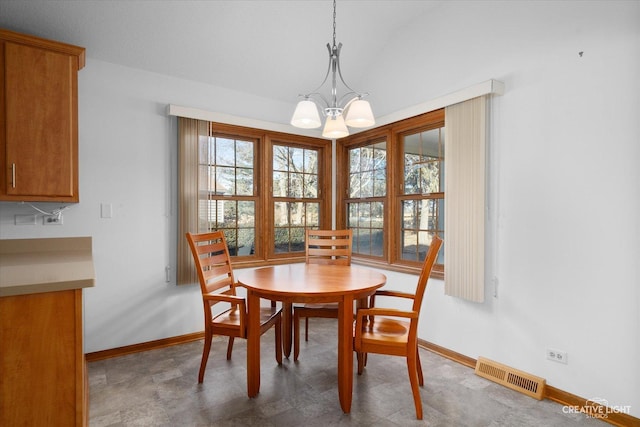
column 231, row 318
column 390, row 332
column 312, row 306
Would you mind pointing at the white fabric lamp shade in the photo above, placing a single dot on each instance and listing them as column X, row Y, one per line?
column 335, row 128
column 359, row 114
column 306, row 115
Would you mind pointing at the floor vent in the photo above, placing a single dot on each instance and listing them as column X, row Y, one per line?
column 512, row 378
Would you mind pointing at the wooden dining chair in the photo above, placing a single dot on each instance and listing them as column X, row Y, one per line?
column 395, row 332
column 321, row 247
column 218, row 286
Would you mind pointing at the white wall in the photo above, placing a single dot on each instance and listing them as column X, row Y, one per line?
column 564, row 203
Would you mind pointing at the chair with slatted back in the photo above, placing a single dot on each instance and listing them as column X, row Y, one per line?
column 321, row 247
column 395, row 332
column 218, row 286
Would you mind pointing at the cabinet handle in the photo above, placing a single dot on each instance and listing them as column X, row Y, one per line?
column 13, row 175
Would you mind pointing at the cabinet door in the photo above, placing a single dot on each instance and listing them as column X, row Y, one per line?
column 41, row 128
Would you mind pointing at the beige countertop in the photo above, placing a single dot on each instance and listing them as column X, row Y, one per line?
column 29, row 266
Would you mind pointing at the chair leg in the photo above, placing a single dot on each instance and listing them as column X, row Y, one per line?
column 306, row 329
column 420, row 377
column 361, row 361
column 296, row 335
column 413, row 379
column 229, row 348
column 278, row 327
column 205, row 355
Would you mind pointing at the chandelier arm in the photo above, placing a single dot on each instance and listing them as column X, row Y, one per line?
column 340, row 73
column 318, row 99
column 326, row 76
column 354, row 95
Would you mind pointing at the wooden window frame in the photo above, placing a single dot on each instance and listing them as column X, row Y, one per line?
column 263, row 165
column 324, row 187
column 392, row 133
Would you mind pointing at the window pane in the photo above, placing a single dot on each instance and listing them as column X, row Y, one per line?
column 280, row 184
column 354, row 185
column 281, row 240
column 297, row 240
column 280, row 214
column 313, row 215
column 225, row 152
column 280, row 158
column 295, row 172
column 379, row 183
column 296, row 181
column 362, row 244
column 225, row 182
column 291, row 219
column 364, row 215
column 246, row 214
column 310, row 186
column 230, row 213
column 421, row 220
column 430, row 177
column 354, row 160
column 244, row 182
column 423, row 158
column 409, row 214
column 296, row 159
column 311, row 161
column 366, row 184
column 352, row 209
column 244, row 154
column 367, row 171
column 366, row 219
column 246, row 241
column 297, row 214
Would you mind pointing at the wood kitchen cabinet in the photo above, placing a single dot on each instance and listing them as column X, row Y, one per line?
column 43, row 378
column 38, row 118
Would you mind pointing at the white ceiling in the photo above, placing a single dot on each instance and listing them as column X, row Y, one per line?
column 274, row 49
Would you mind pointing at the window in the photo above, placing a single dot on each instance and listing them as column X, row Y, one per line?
column 262, row 188
column 296, row 202
column 366, row 197
column 422, row 198
column 394, row 202
column 227, row 196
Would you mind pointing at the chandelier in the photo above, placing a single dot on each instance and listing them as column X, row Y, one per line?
column 348, row 110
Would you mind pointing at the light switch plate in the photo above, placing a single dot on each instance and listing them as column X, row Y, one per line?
column 106, row 210
column 25, row 219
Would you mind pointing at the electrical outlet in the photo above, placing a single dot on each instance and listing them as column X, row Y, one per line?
column 557, row 355
column 52, row 219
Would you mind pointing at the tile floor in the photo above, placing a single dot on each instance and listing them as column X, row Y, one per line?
column 160, row 388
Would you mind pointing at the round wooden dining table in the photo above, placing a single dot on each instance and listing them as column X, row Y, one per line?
column 308, row 283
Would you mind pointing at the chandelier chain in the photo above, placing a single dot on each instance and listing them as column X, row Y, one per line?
column 334, row 22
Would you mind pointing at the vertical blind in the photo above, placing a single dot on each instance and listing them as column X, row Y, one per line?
column 465, row 142
column 190, row 131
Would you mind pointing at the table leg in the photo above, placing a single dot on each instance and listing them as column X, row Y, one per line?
column 253, row 344
column 287, row 319
column 345, row 352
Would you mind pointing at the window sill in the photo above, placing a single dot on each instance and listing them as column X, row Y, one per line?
column 436, row 273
